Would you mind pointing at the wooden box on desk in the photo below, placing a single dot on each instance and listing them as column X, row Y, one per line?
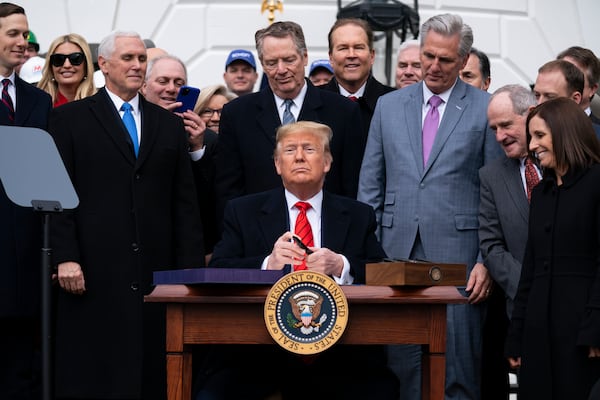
column 415, row 273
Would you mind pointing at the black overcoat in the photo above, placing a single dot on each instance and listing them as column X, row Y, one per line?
column 135, row 216
column 557, row 308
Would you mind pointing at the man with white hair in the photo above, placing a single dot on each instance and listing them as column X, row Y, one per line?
column 138, row 213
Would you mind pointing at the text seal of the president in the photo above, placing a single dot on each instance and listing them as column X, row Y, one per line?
column 306, row 312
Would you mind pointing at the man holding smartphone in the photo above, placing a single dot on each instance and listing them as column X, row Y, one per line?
column 166, row 76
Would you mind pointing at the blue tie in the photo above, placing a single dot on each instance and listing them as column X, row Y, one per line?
column 130, row 125
column 288, row 117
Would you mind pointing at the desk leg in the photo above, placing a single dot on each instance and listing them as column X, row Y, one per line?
column 434, row 376
column 179, row 361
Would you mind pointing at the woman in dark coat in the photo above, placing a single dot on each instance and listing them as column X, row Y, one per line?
column 554, row 334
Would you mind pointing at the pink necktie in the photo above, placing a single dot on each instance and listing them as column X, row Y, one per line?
column 430, row 126
column 303, row 230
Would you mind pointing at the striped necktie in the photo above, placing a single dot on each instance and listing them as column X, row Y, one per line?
column 7, row 101
column 288, row 117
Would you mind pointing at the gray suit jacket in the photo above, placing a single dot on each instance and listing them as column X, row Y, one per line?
column 503, row 216
column 440, row 200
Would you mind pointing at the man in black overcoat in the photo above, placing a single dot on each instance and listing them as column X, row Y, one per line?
column 137, row 214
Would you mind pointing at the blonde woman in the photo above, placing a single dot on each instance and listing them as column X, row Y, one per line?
column 210, row 104
column 69, row 70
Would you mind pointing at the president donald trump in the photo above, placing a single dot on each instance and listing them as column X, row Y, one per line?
column 258, row 232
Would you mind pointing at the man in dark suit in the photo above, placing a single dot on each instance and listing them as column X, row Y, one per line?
column 165, row 75
column 248, row 123
column 20, row 230
column 503, row 215
column 352, row 55
column 588, row 63
column 424, row 187
column 137, row 214
column 258, row 234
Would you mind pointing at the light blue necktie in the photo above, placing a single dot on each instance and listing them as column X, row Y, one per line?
column 130, row 125
column 288, row 117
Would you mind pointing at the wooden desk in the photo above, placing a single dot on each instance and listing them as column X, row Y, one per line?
column 222, row 314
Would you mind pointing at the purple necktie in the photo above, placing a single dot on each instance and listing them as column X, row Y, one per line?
column 430, row 126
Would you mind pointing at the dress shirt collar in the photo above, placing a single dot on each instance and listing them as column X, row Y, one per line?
column 358, row 94
column 298, row 101
column 315, row 202
column 427, row 94
column 11, row 77
column 118, row 102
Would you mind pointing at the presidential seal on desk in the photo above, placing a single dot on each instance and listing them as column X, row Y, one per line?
column 306, row 312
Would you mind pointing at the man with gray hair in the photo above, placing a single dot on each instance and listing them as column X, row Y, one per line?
column 248, row 123
column 425, row 146
column 165, row 76
column 138, row 213
column 503, row 216
column 408, row 69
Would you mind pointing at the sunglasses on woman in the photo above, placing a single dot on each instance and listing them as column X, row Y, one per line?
column 58, row 60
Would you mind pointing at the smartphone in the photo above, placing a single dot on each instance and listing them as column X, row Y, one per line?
column 302, row 245
column 188, row 95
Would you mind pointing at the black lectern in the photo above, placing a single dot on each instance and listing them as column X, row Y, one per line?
column 33, row 174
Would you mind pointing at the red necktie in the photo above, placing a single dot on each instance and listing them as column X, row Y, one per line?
column 531, row 177
column 303, row 230
column 7, row 101
column 353, row 98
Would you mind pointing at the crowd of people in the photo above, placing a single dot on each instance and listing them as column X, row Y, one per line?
column 435, row 168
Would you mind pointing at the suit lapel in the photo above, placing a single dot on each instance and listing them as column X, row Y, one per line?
column 26, row 103
column 267, row 116
column 335, row 222
column 149, row 130
column 274, row 218
column 102, row 107
column 312, row 102
column 452, row 114
column 413, row 109
column 511, row 174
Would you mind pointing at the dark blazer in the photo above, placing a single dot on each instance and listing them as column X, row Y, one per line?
column 503, row 216
column 367, row 102
column 20, row 230
column 247, row 140
column 557, row 309
column 594, row 119
column 135, row 216
column 253, row 223
column 204, row 176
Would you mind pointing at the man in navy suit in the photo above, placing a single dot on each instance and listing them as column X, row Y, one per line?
column 426, row 202
column 248, row 123
column 258, row 234
column 20, row 230
column 138, row 213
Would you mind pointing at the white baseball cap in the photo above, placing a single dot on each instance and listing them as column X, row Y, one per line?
column 31, row 70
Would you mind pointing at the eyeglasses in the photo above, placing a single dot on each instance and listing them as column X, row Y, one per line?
column 58, row 60
column 209, row 112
